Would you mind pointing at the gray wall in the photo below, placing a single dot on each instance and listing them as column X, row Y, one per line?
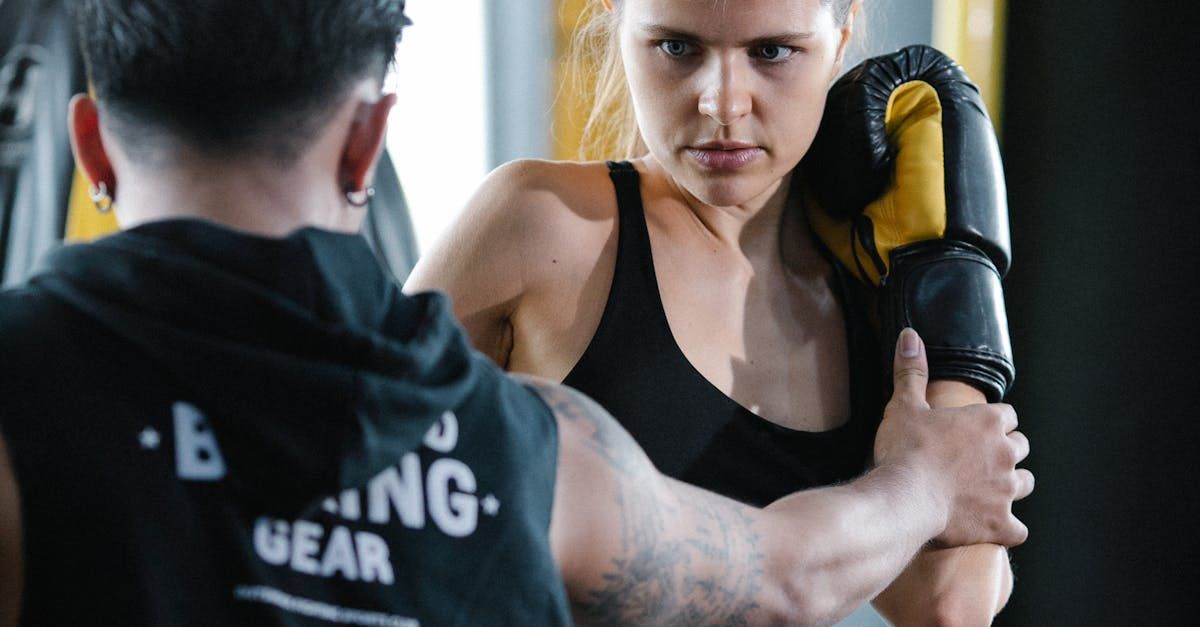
column 890, row 25
column 520, row 73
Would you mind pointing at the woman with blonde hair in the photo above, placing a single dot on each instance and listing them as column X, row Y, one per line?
column 678, row 288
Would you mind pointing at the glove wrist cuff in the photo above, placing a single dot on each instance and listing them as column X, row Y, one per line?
column 950, row 293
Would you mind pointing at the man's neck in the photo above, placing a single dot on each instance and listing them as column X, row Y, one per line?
column 251, row 195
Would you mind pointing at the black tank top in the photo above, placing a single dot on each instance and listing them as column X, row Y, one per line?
column 688, row 427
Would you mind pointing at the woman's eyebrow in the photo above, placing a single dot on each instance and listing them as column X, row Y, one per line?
column 781, row 38
column 666, row 32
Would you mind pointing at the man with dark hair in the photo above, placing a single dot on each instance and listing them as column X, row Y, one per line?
column 237, row 94
column 261, row 428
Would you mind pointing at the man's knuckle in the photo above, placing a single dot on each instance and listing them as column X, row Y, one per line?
column 1015, row 483
column 1028, row 481
column 996, row 418
column 1020, row 534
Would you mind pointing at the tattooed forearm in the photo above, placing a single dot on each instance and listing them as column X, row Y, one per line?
column 707, row 573
column 686, row 557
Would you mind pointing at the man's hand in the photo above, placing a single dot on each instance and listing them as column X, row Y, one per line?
column 970, row 453
column 965, row 585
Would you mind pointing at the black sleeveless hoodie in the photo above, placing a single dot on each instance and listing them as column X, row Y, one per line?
column 212, row 428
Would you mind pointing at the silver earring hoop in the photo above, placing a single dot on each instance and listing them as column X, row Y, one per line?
column 98, row 192
column 359, row 198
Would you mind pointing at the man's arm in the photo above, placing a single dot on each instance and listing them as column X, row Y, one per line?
column 10, row 542
column 636, row 547
column 957, row 586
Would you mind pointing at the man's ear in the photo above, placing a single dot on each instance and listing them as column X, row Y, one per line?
column 83, row 122
column 364, row 143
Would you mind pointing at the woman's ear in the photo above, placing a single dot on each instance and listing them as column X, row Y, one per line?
column 364, row 143
column 83, row 121
column 847, row 33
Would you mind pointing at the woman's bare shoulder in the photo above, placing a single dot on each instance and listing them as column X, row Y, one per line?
column 525, row 211
column 532, row 227
column 581, row 189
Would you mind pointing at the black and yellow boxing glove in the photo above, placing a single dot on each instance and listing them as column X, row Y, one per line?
column 904, row 185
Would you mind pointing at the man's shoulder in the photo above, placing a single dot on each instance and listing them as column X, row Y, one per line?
column 31, row 319
column 26, row 306
column 39, row 342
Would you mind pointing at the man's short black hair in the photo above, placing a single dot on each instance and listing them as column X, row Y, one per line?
column 243, row 76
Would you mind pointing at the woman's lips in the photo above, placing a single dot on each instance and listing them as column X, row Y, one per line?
column 724, row 157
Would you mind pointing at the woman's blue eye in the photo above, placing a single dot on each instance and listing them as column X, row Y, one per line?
column 675, row 47
column 772, row 52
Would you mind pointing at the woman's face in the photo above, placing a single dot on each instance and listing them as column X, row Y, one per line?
column 728, row 93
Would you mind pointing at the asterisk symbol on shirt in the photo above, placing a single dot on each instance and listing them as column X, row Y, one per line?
column 490, row 505
column 149, row 438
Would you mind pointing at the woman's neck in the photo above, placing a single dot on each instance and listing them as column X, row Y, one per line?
column 767, row 229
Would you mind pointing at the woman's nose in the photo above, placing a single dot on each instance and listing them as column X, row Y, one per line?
column 725, row 96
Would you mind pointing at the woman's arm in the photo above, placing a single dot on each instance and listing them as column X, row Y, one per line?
column 10, row 542
column 959, row 586
column 477, row 262
column 525, row 264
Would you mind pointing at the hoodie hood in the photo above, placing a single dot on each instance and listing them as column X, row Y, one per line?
column 315, row 371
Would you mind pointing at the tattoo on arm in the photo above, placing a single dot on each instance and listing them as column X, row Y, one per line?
column 689, row 558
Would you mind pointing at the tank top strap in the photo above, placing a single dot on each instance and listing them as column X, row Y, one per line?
column 633, row 276
column 633, row 234
column 633, row 317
